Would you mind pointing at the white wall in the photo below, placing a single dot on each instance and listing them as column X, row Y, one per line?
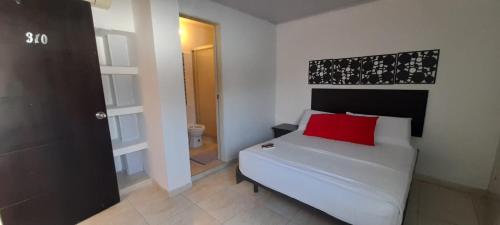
column 247, row 53
column 167, row 46
column 195, row 34
column 189, row 85
column 150, row 92
column 461, row 131
column 118, row 17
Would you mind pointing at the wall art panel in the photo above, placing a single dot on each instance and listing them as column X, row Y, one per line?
column 378, row 69
column 346, row 71
column 320, row 71
column 418, row 67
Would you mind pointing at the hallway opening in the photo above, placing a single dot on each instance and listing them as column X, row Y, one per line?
column 198, row 41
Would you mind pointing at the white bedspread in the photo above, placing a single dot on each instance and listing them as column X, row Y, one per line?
column 381, row 173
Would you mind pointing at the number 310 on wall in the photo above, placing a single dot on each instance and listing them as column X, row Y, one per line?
column 36, row 38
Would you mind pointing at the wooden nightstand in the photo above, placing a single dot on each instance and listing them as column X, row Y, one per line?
column 283, row 129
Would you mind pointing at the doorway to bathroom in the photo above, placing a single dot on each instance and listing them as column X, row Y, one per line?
column 198, row 39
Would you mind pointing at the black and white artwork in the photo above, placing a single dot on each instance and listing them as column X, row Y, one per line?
column 418, row 67
column 320, row 71
column 346, row 71
column 378, row 69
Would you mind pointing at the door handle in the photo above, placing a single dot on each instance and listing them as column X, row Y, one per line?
column 101, row 115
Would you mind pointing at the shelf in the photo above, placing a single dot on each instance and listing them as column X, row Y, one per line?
column 120, row 80
column 125, row 111
column 128, row 183
column 119, row 70
column 122, row 148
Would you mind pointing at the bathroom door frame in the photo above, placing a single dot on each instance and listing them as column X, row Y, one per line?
column 218, row 83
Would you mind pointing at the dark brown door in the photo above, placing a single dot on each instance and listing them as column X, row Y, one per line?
column 56, row 160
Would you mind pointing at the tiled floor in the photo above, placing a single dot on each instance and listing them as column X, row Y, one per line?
column 431, row 204
column 217, row 200
column 209, row 145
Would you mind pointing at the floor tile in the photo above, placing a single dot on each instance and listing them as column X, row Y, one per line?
column 488, row 210
column 308, row 216
column 208, row 186
column 223, row 205
column 432, row 221
column 411, row 218
column 282, row 205
column 159, row 210
column 412, row 208
column 257, row 216
column 193, row 215
column 448, row 205
column 145, row 194
column 122, row 213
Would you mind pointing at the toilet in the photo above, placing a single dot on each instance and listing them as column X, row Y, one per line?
column 195, row 132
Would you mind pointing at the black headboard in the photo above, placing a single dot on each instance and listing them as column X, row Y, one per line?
column 399, row 103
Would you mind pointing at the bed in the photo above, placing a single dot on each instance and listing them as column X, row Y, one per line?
column 358, row 184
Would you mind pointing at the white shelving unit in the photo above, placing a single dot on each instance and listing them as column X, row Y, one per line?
column 124, row 108
column 123, row 148
column 119, row 70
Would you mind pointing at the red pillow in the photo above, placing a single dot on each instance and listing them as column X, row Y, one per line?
column 342, row 127
column 322, row 125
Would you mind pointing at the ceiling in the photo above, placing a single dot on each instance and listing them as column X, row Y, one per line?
column 279, row 11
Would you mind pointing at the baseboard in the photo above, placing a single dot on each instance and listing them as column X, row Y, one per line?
column 124, row 192
column 179, row 190
column 451, row 185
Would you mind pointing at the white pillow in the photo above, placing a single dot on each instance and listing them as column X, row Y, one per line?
column 305, row 117
column 391, row 130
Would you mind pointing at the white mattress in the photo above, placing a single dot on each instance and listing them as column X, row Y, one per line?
column 361, row 185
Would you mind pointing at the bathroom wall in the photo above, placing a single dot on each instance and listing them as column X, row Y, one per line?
column 193, row 34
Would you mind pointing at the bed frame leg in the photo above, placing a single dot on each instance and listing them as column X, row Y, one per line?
column 239, row 176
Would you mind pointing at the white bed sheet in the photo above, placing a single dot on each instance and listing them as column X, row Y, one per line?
column 361, row 185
